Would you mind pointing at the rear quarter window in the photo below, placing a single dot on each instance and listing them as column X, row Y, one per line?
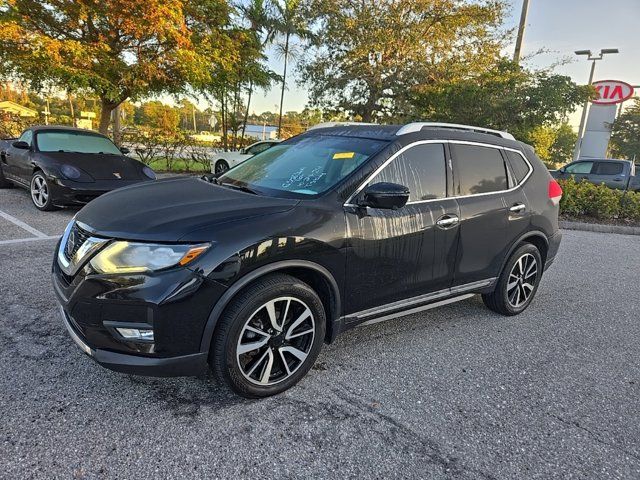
column 518, row 164
column 479, row 169
column 608, row 168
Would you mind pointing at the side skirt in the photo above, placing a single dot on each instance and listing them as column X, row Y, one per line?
column 416, row 304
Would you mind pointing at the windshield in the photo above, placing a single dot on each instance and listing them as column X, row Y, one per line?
column 75, row 142
column 304, row 166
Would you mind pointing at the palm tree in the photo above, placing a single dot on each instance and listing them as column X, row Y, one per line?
column 290, row 22
column 257, row 13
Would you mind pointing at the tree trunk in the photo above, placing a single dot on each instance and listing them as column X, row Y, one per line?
column 73, row 113
column 284, row 83
column 246, row 113
column 105, row 115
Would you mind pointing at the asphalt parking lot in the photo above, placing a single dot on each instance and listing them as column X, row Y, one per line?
column 457, row 392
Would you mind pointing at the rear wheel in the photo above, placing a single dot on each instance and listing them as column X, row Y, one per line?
column 221, row 167
column 269, row 336
column 40, row 192
column 518, row 282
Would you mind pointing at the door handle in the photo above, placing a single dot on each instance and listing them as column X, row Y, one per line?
column 447, row 221
column 518, row 207
column 617, row 179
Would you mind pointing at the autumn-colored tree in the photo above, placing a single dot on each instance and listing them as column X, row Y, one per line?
column 157, row 115
column 116, row 49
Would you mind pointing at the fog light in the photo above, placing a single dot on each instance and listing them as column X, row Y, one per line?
column 145, row 335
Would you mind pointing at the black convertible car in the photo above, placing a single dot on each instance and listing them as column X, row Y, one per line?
column 67, row 166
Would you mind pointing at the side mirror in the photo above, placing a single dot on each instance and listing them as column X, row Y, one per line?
column 243, row 151
column 562, row 169
column 124, row 150
column 390, row 196
column 21, row 145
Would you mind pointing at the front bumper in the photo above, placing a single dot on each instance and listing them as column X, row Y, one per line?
column 176, row 304
column 184, row 365
column 69, row 193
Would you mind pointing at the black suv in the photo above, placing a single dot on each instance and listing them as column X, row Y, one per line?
column 253, row 271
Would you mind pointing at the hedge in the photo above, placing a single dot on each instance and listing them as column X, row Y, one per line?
column 598, row 201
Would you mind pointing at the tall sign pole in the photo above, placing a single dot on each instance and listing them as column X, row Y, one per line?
column 583, row 118
column 521, row 27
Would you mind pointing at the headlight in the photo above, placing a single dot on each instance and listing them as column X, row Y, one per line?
column 128, row 257
column 149, row 173
column 70, row 172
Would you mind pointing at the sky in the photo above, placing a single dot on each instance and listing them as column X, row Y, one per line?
column 560, row 26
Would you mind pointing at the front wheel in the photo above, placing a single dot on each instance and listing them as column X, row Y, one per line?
column 40, row 192
column 221, row 167
column 518, row 282
column 269, row 336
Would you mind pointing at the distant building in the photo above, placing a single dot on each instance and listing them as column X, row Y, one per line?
column 17, row 109
column 260, row 132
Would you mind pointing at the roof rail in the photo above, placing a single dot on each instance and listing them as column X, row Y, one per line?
column 337, row 124
column 417, row 126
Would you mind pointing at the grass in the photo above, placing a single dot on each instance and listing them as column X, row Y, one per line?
column 160, row 165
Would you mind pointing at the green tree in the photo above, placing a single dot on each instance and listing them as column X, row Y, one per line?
column 371, row 57
column 625, row 139
column 116, row 49
column 505, row 97
column 562, row 148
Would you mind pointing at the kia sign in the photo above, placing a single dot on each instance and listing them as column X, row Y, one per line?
column 612, row 91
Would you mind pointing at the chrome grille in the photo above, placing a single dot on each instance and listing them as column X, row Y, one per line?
column 75, row 240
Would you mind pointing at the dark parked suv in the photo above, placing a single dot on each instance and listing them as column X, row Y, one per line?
column 252, row 272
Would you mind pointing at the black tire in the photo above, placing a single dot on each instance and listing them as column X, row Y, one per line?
column 231, row 366
column 4, row 183
column 44, row 199
column 221, row 167
column 503, row 298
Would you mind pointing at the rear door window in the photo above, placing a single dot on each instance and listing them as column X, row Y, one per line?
column 608, row 168
column 479, row 169
column 422, row 169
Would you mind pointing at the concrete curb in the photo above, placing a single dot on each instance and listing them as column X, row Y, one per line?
column 596, row 227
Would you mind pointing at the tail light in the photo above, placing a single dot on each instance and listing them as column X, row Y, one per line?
column 555, row 192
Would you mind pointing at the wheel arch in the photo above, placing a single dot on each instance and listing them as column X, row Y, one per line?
column 315, row 275
column 534, row 237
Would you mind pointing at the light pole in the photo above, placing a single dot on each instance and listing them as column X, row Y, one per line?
column 521, row 27
column 593, row 59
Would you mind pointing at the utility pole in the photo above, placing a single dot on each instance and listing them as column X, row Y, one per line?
column 583, row 118
column 521, row 27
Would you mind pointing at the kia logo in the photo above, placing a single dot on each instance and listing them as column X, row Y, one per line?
column 612, row 91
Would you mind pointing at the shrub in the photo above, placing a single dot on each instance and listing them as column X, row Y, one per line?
column 598, row 201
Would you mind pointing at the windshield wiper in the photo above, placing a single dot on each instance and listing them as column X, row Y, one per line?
column 242, row 188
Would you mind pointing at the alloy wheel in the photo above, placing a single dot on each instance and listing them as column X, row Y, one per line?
column 522, row 280
column 221, row 167
column 39, row 191
column 275, row 341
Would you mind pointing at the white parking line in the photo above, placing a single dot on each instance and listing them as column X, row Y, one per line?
column 30, row 239
column 22, row 225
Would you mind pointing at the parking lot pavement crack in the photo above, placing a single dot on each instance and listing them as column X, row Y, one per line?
column 592, row 435
column 451, row 466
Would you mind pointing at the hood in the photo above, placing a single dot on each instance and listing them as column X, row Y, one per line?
column 99, row 166
column 167, row 210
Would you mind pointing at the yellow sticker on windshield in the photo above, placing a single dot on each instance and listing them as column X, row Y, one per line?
column 343, row 155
